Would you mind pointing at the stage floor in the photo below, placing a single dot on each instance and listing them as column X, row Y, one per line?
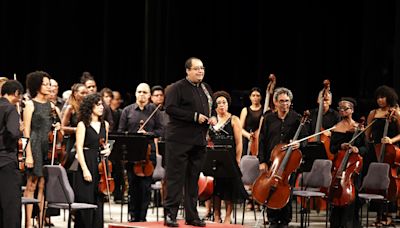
column 316, row 220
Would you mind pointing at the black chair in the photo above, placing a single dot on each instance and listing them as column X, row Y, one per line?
column 59, row 193
column 377, row 180
column 319, row 177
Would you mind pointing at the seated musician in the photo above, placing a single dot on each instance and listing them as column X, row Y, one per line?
column 347, row 216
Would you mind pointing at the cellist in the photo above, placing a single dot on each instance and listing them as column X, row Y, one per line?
column 386, row 98
column 347, row 216
column 132, row 115
column 278, row 127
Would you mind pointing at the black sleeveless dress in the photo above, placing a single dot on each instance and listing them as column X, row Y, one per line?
column 231, row 189
column 87, row 192
column 251, row 123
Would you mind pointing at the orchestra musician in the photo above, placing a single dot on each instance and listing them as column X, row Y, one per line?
column 90, row 131
column 228, row 130
column 37, row 124
column 386, row 99
column 250, row 117
column 130, row 121
column 347, row 216
column 278, row 127
column 189, row 106
column 10, row 189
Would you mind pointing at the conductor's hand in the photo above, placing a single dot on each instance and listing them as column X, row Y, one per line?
column 87, row 176
column 263, row 167
column 202, row 119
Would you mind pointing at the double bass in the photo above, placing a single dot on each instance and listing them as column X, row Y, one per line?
column 345, row 164
column 389, row 153
column 269, row 93
column 323, row 95
column 274, row 182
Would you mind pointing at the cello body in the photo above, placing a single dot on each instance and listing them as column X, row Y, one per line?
column 272, row 188
column 206, row 187
column 342, row 189
column 391, row 155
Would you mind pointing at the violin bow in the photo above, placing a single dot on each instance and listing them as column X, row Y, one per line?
column 151, row 115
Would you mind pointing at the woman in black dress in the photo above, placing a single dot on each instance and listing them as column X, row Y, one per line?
column 227, row 131
column 90, row 130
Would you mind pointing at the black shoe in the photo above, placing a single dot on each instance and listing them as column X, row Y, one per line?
column 170, row 222
column 196, row 222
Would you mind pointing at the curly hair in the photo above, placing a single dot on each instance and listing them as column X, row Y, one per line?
column 86, row 108
column 389, row 93
column 222, row 93
column 34, row 81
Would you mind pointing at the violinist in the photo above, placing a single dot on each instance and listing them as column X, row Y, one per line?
column 54, row 98
column 37, row 124
column 347, row 216
column 10, row 189
column 90, row 130
column 228, row 128
column 278, row 127
column 250, row 118
column 386, row 99
column 130, row 121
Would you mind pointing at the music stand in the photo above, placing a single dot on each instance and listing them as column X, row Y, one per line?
column 220, row 163
column 312, row 151
column 129, row 147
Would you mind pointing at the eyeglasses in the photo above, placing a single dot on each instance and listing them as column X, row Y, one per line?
column 198, row 68
column 283, row 101
column 343, row 108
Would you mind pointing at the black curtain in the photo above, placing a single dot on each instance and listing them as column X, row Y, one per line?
column 354, row 44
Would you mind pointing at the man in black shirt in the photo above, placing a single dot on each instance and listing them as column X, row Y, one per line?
column 188, row 104
column 10, row 189
column 278, row 127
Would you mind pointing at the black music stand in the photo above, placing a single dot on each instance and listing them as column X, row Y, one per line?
column 129, row 147
column 220, row 163
column 312, row 151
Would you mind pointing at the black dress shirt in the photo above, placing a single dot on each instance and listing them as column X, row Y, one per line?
column 9, row 132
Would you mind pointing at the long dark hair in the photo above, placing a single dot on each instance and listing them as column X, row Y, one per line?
column 86, row 108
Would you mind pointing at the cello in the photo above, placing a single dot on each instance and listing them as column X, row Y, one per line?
column 323, row 94
column 389, row 153
column 345, row 164
column 274, row 182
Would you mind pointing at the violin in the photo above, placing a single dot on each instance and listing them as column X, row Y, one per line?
column 345, row 164
column 323, row 94
column 271, row 188
column 55, row 138
column 106, row 184
column 145, row 168
column 253, row 143
column 21, row 147
column 389, row 153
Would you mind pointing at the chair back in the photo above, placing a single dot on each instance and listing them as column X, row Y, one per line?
column 320, row 174
column 159, row 171
column 249, row 166
column 377, row 177
column 58, row 189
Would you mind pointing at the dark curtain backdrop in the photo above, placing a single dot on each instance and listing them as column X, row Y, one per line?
column 355, row 44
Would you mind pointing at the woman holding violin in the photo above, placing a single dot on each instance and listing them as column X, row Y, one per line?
column 344, row 212
column 227, row 129
column 90, row 133
column 278, row 127
column 37, row 125
column 250, row 120
column 141, row 117
column 387, row 101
